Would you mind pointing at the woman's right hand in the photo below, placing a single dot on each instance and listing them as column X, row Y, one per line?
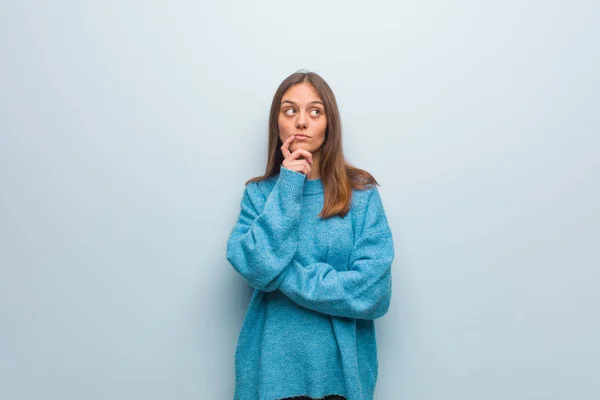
column 291, row 159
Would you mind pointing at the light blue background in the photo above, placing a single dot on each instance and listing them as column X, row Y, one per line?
column 128, row 129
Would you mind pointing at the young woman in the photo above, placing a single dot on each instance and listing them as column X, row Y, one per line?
column 313, row 240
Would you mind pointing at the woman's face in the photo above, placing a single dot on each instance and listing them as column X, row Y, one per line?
column 302, row 113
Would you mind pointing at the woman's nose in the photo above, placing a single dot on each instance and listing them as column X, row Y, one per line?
column 301, row 121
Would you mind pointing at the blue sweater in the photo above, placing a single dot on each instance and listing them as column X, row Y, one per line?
column 319, row 284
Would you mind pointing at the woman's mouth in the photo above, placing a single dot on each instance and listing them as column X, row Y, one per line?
column 301, row 137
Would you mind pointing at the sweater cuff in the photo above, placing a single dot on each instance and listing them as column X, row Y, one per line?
column 291, row 182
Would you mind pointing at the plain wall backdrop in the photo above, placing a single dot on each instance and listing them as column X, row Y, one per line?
column 128, row 129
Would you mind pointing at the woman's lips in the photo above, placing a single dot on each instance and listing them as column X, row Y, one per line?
column 301, row 137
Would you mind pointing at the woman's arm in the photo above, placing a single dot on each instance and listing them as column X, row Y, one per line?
column 363, row 291
column 261, row 245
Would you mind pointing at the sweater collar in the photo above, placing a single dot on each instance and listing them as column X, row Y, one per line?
column 313, row 186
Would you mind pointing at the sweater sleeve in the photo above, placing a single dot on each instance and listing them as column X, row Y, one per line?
column 264, row 239
column 361, row 292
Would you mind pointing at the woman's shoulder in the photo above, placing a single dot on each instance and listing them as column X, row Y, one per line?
column 260, row 189
column 367, row 204
column 362, row 196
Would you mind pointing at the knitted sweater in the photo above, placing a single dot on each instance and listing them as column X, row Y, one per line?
column 319, row 284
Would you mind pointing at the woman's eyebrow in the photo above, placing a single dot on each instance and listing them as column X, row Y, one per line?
column 312, row 102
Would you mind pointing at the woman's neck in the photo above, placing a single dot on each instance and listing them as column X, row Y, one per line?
column 314, row 168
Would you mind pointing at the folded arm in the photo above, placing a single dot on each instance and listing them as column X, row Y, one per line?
column 364, row 290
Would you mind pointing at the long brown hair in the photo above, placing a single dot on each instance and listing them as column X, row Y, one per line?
column 339, row 177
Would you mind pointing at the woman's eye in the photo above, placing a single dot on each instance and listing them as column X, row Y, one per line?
column 318, row 112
